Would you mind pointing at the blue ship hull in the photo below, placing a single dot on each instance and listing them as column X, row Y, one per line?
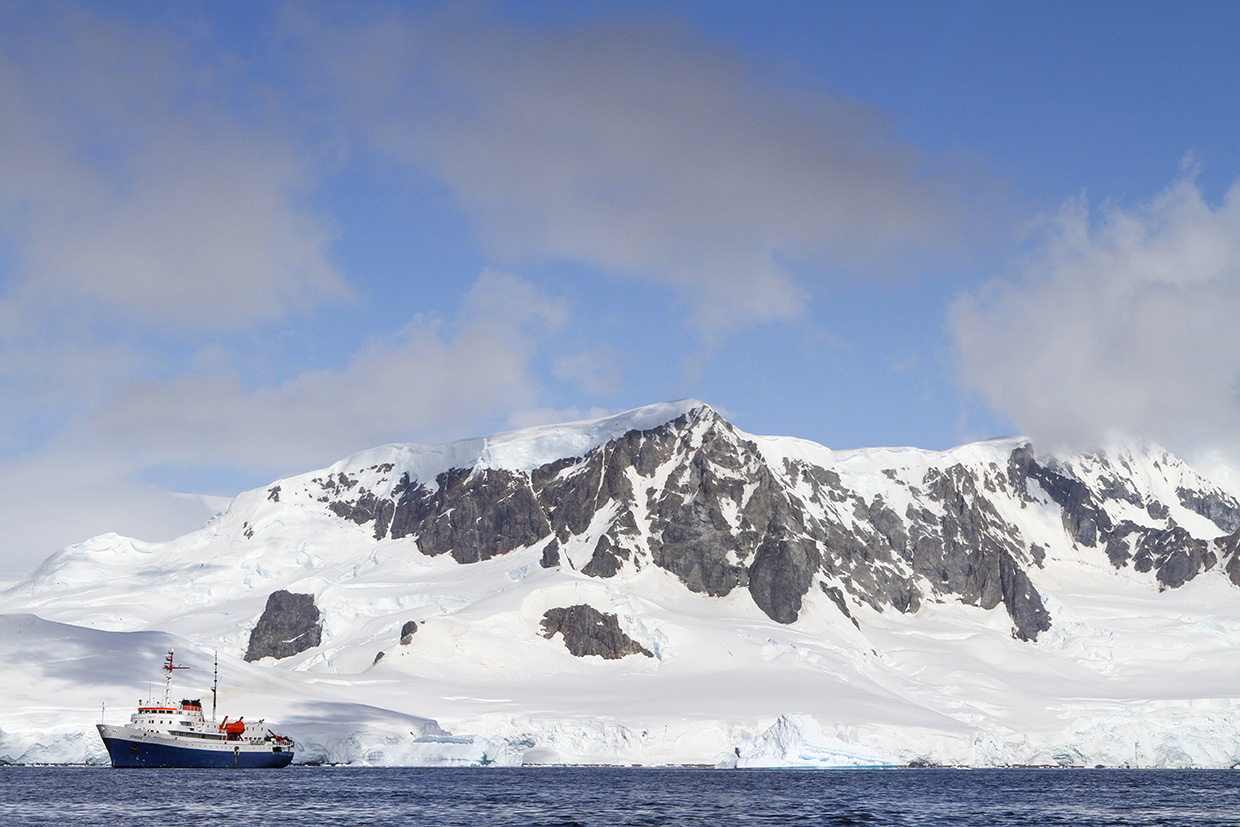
column 127, row 753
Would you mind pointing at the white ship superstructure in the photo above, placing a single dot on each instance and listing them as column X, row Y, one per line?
column 164, row 734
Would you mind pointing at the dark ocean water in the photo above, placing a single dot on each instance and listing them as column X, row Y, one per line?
column 535, row 797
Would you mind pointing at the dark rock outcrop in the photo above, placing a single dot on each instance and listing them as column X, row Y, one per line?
column 550, row 555
column 289, row 624
column 1215, row 506
column 472, row 516
column 407, row 631
column 698, row 499
column 974, row 552
column 1228, row 548
column 1174, row 553
column 1083, row 517
column 587, row 631
column 365, row 508
column 607, row 559
column 780, row 575
column 1022, row 601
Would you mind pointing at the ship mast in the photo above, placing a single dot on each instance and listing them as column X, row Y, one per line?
column 215, row 684
column 169, row 668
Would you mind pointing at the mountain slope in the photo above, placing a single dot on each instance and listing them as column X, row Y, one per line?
column 568, row 591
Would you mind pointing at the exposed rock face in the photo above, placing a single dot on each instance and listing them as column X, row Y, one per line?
column 1214, row 506
column 289, row 625
column 704, row 502
column 470, row 516
column 587, row 631
column 407, row 632
column 606, row 560
column 551, row 555
column 781, row 574
column 1081, row 515
column 1227, row 547
column 1170, row 551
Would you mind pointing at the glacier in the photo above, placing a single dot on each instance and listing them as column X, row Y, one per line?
column 1084, row 614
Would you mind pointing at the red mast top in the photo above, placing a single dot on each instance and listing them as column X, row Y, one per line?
column 169, row 668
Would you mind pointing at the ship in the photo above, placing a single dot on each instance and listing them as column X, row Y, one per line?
column 164, row 734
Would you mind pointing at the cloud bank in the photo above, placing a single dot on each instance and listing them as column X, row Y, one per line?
column 165, row 214
column 1118, row 323
column 133, row 190
column 433, row 379
column 638, row 149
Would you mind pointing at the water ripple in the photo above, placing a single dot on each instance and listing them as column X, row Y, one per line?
column 579, row 797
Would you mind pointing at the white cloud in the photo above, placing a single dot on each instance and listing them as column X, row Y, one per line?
column 59, row 498
column 131, row 188
column 640, row 150
column 596, row 369
column 431, row 380
column 1118, row 323
column 532, row 417
column 47, row 381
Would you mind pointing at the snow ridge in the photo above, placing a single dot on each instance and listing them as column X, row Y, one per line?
column 747, row 600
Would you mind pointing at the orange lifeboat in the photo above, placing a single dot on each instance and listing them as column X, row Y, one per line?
column 233, row 731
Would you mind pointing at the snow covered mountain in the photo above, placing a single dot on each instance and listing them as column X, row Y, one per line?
column 659, row 587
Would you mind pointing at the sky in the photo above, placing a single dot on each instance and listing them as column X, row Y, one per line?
column 242, row 240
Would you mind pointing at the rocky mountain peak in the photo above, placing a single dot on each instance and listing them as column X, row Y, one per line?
column 659, row 550
column 677, row 488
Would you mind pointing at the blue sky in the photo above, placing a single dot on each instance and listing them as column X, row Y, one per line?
column 242, row 240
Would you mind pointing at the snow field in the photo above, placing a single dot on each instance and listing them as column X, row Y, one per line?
column 1126, row 676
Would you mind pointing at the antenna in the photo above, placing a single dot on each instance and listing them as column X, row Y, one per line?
column 215, row 684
